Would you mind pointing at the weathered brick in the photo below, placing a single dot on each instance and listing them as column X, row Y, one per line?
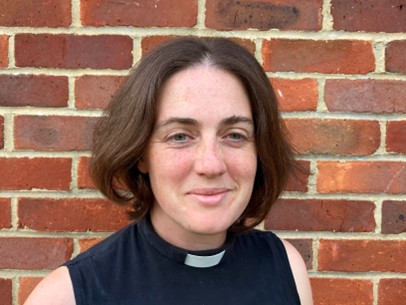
column 34, row 253
column 86, row 243
column 347, row 137
column 296, row 94
column 361, row 177
column 34, row 90
column 368, row 16
column 3, row 51
column 394, row 57
column 298, row 179
column 71, row 215
column 6, row 291
column 5, row 213
column 396, row 136
column 56, row 133
column 393, row 217
column 141, row 13
column 73, row 51
column 35, row 13
column 321, row 215
column 95, row 92
column 1, row 132
column 362, row 255
column 150, row 42
column 27, row 285
column 35, row 173
column 331, row 56
column 84, row 179
column 391, row 291
column 305, row 248
column 375, row 96
column 264, row 15
column 331, row 291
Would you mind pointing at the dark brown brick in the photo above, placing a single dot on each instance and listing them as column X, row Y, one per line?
column 5, row 213
column 141, row 13
column 6, row 291
column 393, row 217
column 321, row 215
column 346, row 137
column 264, row 15
column 18, row 253
column 73, row 51
column 396, row 137
column 71, row 215
column 362, row 255
column 305, row 248
column 35, row 173
column 331, row 56
column 299, row 178
column 35, row 13
column 369, row 16
column 34, row 90
column 373, row 96
column 395, row 57
column 1, row 132
column 95, row 92
column 53, row 133
column 3, row 51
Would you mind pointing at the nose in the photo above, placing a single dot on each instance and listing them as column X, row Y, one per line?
column 209, row 159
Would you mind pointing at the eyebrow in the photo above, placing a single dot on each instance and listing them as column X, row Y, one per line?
column 232, row 120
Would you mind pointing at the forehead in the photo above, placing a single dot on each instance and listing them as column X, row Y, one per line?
column 203, row 91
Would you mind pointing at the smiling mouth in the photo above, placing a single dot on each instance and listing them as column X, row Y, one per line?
column 209, row 197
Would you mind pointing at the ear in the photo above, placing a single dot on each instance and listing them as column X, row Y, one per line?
column 142, row 166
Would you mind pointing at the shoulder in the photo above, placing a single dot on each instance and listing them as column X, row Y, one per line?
column 55, row 289
column 299, row 273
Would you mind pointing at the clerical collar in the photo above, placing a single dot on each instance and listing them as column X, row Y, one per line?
column 197, row 259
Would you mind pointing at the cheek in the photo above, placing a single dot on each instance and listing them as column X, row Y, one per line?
column 168, row 165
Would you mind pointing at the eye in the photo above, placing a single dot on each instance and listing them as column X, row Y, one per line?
column 235, row 136
column 179, row 138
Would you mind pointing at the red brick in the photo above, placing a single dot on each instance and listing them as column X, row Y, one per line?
column 375, row 96
column 34, row 90
column 34, row 253
column 1, row 132
column 3, row 51
column 391, row 291
column 394, row 57
column 296, row 94
column 84, row 179
column 333, row 56
column 305, row 248
column 5, row 213
column 35, row 173
column 95, row 92
column 329, row 291
column 150, row 42
column 264, row 15
column 35, row 13
column 321, row 215
column 362, row 255
column 27, row 285
column 368, row 16
column 55, row 133
column 71, row 215
column 396, row 136
column 73, row 51
column 87, row 243
column 298, row 180
column 6, row 291
column 346, row 137
column 141, row 13
column 361, row 177
column 393, row 217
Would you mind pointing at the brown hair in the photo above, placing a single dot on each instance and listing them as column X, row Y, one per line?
column 122, row 135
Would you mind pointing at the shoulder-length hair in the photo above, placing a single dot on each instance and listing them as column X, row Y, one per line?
column 122, row 135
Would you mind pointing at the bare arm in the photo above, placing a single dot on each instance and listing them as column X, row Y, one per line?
column 300, row 274
column 55, row 289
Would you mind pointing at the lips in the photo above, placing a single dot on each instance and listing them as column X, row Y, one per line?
column 209, row 196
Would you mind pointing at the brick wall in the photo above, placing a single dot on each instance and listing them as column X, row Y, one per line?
column 338, row 68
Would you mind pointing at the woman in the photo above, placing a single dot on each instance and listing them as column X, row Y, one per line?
column 194, row 141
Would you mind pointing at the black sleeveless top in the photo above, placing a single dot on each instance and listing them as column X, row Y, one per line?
column 135, row 266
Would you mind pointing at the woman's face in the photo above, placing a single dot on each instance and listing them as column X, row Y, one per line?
column 201, row 158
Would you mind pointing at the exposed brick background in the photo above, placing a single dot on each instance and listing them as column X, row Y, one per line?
column 338, row 71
